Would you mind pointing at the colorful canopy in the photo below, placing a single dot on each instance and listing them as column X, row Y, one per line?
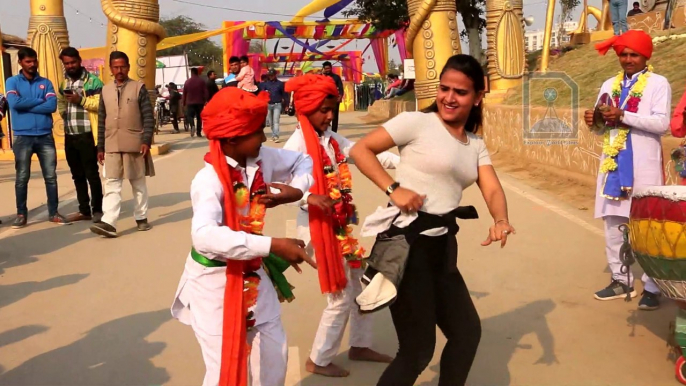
column 332, row 30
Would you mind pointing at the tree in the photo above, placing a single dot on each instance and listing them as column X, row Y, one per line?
column 255, row 47
column 200, row 53
column 472, row 12
column 566, row 9
column 393, row 14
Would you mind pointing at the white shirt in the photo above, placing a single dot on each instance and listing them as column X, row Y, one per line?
column 648, row 124
column 297, row 143
column 202, row 288
column 432, row 163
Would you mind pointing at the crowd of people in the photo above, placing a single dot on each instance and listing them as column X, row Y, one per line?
column 233, row 281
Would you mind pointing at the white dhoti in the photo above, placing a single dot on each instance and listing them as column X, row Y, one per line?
column 339, row 309
column 199, row 303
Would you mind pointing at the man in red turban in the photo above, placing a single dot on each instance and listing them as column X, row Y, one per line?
column 325, row 224
column 632, row 112
column 224, row 293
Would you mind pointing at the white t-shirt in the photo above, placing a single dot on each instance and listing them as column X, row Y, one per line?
column 433, row 162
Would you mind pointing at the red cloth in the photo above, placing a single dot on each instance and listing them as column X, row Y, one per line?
column 232, row 113
column 636, row 40
column 309, row 94
column 677, row 123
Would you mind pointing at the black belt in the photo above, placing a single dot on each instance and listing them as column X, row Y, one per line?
column 426, row 221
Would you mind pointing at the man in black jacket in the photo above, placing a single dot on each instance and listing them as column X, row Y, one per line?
column 212, row 87
column 327, row 70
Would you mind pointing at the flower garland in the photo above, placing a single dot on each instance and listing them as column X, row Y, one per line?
column 612, row 148
column 339, row 185
column 253, row 223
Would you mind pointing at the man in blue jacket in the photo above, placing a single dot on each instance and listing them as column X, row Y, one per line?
column 32, row 101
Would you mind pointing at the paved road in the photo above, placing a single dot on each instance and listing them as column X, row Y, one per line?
column 80, row 310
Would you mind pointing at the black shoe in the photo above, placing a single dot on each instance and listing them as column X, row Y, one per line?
column 19, row 222
column 143, row 225
column 104, row 229
column 97, row 217
column 58, row 219
column 649, row 301
column 616, row 290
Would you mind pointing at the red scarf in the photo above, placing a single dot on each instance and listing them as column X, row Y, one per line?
column 309, row 94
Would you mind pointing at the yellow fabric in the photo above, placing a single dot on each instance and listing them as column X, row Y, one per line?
column 313, row 7
column 660, row 239
column 191, row 38
column 348, row 103
column 170, row 42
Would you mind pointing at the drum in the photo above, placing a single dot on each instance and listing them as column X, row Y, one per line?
column 657, row 233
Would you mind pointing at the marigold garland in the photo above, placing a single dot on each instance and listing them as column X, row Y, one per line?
column 612, row 149
column 252, row 223
column 339, row 186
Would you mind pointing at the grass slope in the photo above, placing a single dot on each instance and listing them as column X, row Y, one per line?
column 589, row 70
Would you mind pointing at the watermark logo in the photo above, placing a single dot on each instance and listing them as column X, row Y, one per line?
column 550, row 109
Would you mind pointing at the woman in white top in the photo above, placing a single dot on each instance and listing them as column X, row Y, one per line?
column 440, row 156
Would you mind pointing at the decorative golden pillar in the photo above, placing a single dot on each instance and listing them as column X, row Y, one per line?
column 134, row 28
column 432, row 38
column 48, row 36
column 604, row 28
column 505, row 37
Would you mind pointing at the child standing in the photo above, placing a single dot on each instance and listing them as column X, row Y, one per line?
column 326, row 218
column 225, row 294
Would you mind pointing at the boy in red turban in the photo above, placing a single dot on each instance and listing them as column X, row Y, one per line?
column 326, row 219
column 634, row 116
column 225, row 293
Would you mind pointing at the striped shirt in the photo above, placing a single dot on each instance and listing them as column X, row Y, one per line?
column 76, row 119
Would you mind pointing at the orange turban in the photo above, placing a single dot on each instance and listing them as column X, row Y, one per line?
column 636, row 40
column 309, row 93
column 231, row 113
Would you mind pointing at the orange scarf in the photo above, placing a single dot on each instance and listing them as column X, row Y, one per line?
column 309, row 93
column 232, row 113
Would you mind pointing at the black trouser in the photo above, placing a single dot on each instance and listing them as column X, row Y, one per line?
column 193, row 112
column 428, row 296
column 334, row 123
column 82, row 157
column 175, row 118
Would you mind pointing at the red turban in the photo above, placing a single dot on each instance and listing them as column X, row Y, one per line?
column 232, row 112
column 309, row 93
column 636, row 40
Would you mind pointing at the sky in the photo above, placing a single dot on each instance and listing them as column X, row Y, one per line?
column 86, row 22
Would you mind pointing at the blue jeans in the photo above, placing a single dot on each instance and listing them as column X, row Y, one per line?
column 43, row 147
column 618, row 10
column 273, row 118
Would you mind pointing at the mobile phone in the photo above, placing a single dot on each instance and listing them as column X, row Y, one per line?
column 68, row 92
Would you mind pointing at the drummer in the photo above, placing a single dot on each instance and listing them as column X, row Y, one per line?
column 632, row 155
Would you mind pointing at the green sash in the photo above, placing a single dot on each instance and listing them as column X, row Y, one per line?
column 272, row 264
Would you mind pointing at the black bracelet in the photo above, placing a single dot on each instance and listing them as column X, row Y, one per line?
column 392, row 188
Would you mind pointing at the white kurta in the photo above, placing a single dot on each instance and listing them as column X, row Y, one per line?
column 648, row 124
column 199, row 299
column 340, row 307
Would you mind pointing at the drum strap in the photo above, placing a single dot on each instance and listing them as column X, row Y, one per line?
column 626, row 256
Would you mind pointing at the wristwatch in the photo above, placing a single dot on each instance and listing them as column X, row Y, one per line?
column 392, row 188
